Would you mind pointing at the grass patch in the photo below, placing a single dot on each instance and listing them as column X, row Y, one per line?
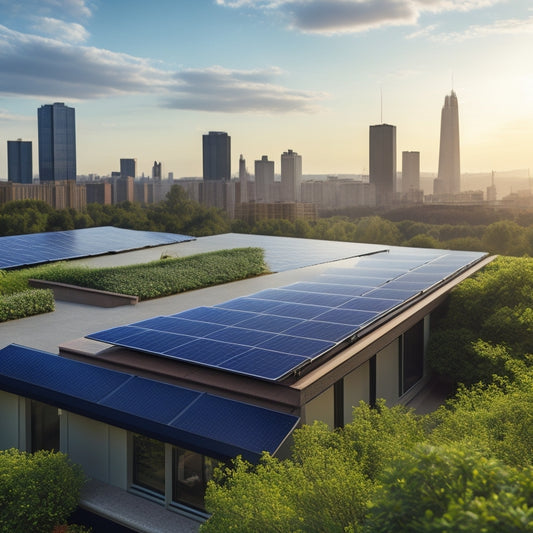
column 151, row 280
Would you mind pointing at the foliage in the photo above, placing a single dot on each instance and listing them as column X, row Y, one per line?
column 163, row 277
column 452, row 488
column 37, row 491
column 286, row 495
column 26, row 303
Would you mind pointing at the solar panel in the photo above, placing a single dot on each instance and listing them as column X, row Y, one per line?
column 275, row 324
column 265, row 364
column 347, row 316
column 321, row 330
column 247, row 337
column 173, row 324
column 296, row 345
column 208, row 352
column 370, row 304
column 215, row 315
column 328, row 288
column 282, row 295
column 248, row 304
column 393, row 294
column 37, row 248
column 304, row 311
column 200, row 422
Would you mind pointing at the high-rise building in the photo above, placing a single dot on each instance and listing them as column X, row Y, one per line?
column 19, row 161
column 57, row 142
column 128, row 168
column 264, row 179
column 382, row 162
column 291, row 176
column 216, row 156
column 449, row 177
column 410, row 171
column 156, row 171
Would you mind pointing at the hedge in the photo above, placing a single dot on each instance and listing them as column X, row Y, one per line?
column 26, row 303
column 166, row 276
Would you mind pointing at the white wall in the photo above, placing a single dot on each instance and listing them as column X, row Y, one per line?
column 320, row 408
column 387, row 373
column 356, row 388
column 12, row 427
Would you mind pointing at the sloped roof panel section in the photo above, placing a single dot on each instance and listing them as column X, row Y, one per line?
column 201, row 422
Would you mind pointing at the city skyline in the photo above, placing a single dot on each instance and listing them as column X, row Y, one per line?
column 243, row 66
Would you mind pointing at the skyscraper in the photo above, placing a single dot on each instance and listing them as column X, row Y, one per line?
column 449, row 177
column 57, row 142
column 216, row 156
column 264, row 180
column 128, row 168
column 156, row 171
column 291, row 176
column 382, row 162
column 410, row 171
column 19, row 161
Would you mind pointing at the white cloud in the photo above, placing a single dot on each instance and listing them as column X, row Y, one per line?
column 501, row 27
column 6, row 116
column 351, row 16
column 37, row 66
column 78, row 9
column 71, row 32
column 230, row 91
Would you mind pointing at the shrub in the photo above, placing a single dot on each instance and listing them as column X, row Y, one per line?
column 26, row 303
column 37, row 491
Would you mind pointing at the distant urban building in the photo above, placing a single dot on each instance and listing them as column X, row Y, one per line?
column 156, row 171
column 491, row 191
column 99, row 193
column 243, row 180
column 57, row 142
column 123, row 190
column 128, row 168
column 253, row 212
column 291, row 176
column 171, row 176
column 264, row 180
column 410, row 171
column 448, row 180
column 382, row 161
column 335, row 193
column 65, row 194
column 19, row 161
column 216, row 156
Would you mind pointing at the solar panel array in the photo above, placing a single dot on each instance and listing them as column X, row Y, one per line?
column 36, row 248
column 275, row 332
column 199, row 421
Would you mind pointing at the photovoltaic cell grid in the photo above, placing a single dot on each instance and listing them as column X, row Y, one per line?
column 275, row 332
column 36, row 248
column 198, row 421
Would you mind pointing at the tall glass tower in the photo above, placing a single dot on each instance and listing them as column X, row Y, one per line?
column 57, row 142
column 382, row 159
column 19, row 161
column 449, row 176
column 217, row 156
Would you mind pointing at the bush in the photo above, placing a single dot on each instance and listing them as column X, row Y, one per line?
column 26, row 303
column 164, row 277
column 37, row 491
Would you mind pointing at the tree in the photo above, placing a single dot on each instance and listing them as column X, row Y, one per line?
column 37, row 491
column 452, row 488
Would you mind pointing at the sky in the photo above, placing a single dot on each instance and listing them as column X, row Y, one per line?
column 148, row 79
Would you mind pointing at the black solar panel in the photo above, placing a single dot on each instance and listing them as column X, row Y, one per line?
column 206, row 351
column 370, row 304
column 37, row 248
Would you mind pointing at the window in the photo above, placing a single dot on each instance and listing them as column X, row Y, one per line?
column 149, row 464
column 412, row 357
column 44, row 427
column 190, row 474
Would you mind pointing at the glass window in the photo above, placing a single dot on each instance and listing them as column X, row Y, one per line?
column 149, row 464
column 412, row 356
column 44, row 427
column 191, row 472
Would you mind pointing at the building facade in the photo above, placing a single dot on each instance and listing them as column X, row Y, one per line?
column 19, row 161
column 216, row 156
column 382, row 162
column 410, row 171
column 264, row 180
column 57, row 142
column 448, row 180
column 291, row 176
column 128, row 168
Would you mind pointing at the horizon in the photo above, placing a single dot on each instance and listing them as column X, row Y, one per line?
column 309, row 76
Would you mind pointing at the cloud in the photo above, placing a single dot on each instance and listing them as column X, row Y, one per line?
column 71, row 32
column 351, row 16
column 42, row 67
column 6, row 116
column 78, row 9
column 223, row 90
